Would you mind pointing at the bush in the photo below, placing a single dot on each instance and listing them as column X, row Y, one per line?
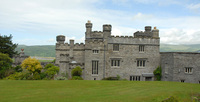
column 18, row 68
column 111, row 78
column 61, row 78
column 36, row 76
column 51, row 70
column 16, row 76
column 77, row 78
column 43, row 75
column 76, row 71
column 158, row 73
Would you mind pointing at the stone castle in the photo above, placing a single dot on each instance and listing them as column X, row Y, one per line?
column 130, row 57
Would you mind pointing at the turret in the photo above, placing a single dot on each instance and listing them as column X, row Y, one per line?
column 107, row 30
column 88, row 26
column 155, row 33
column 60, row 39
column 71, row 53
column 147, row 28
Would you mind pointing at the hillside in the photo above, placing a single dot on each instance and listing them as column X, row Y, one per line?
column 49, row 50
column 41, row 51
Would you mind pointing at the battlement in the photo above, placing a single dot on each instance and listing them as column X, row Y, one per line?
column 121, row 36
column 148, row 33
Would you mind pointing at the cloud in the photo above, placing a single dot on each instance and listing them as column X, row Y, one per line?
column 141, row 17
column 194, row 7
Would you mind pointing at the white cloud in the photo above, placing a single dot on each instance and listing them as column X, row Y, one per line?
column 194, row 7
column 142, row 17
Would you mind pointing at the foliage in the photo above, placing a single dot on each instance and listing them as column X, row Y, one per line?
column 76, row 71
column 112, row 78
column 171, row 99
column 7, row 46
column 158, row 73
column 16, row 76
column 32, row 65
column 5, row 64
column 54, row 61
column 61, row 78
column 77, row 78
column 36, row 76
column 18, row 68
column 43, row 75
column 51, row 70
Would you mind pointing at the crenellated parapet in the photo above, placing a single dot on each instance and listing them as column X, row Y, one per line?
column 148, row 33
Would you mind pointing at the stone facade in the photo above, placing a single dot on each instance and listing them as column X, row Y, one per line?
column 102, row 55
column 180, row 66
column 18, row 59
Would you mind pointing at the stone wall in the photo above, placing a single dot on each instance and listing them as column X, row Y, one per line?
column 174, row 66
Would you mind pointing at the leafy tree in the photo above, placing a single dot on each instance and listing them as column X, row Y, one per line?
column 5, row 64
column 7, row 46
column 158, row 73
column 32, row 65
column 51, row 70
column 76, row 71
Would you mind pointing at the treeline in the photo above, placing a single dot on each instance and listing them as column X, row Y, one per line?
column 49, row 50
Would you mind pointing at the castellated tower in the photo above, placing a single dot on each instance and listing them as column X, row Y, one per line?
column 102, row 55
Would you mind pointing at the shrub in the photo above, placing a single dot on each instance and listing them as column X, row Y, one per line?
column 76, row 71
column 158, row 73
column 16, row 76
column 43, row 75
column 77, row 78
column 110, row 78
column 36, row 76
column 61, row 78
column 18, row 68
column 32, row 65
column 51, row 70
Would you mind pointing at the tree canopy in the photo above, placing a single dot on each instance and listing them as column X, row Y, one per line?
column 32, row 65
column 5, row 63
column 7, row 46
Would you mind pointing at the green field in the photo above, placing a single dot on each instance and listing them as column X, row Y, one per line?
column 92, row 91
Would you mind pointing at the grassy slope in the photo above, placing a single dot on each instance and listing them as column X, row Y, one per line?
column 90, row 91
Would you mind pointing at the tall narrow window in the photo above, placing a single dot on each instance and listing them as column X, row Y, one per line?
column 115, row 62
column 115, row 47
column 95, row 66
column 141, row 48
column 134, row 78
column 141, row 63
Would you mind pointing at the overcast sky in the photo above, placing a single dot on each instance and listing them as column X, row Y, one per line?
column 38, row 22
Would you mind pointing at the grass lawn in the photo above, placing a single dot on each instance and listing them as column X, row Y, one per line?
column 90, row 91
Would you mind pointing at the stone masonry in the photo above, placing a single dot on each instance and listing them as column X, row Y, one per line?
column 131, row 57
column 102, row 55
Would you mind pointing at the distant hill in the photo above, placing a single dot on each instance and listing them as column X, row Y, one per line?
column 179, row 48
column 39, row 50
column 49, row 50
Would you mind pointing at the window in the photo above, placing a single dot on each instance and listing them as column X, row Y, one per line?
column 141, row 63
column 115, row 62
column 94, row 78
column 141, row 48
column 95, row 65
column 182, row 81
column 95, row 51
column 134, row 78
column 188, row 70
column 115, row 47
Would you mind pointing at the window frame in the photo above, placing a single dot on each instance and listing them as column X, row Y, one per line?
column 95, row 67
column 141, row 63
column 115, row 47
column 115, row 62
column 188, row 70
column 95, row 51
column 141, row 48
